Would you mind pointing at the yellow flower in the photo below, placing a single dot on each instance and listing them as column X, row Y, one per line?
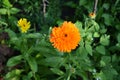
column 92, row 15
column 23, row 25
column 66, row 37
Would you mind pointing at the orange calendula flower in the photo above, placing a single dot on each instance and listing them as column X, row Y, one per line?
column 23, row 25
column 92, row 15
column 66, row 37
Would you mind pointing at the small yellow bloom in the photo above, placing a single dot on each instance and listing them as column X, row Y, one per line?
column 23, row 25
column 92, row 15
column 66, row 37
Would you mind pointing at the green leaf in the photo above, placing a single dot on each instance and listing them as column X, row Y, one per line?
column 117, row 2
column 70, row 4
column 13, row 75
column 89, row 49
column 14, row 60
column 34, row 35
column 57, row 71
column 32, row 63
column 28, row 76
column 100, row 49
column 7, row 4
column 82, row 2
column 3, row 11
column 100, row 76
column 13, row 22
column 14, row 10
column 82, row 52
column 107, row 19
column 52, row 61
column 11, row 33
column 118, row 37
column 102, row 63
column 103, row 30
column 82, row 74
column 96, row 26
column 106, row 59
column 104, row 40
column 89, row 36
column 79, row 24
column 96, row 34
column 3, row 23
column 109, row 72
column 106, row 6
column 114, row 58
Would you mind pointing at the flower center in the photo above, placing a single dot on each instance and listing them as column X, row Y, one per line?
column 65, row 35
column 23, row 25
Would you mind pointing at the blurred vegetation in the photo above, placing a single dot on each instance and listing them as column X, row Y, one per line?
column 102, row 64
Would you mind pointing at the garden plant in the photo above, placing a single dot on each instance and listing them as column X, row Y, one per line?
column 59, row 39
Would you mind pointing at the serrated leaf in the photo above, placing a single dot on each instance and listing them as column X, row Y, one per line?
column 89, row 49
column 14, row 60
column 33, row 64
column 100, row 49
column 104, row 40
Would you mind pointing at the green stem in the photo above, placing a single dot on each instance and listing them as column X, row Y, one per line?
column 34, row 76
column 69, row 63
column 69, row 75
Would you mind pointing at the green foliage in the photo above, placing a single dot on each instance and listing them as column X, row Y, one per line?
column 100, row 49
column 34, row 57
column 13, row 75
column 14, row 61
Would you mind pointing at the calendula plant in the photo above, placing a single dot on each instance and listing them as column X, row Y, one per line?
column 69, row 52
column 78, row 47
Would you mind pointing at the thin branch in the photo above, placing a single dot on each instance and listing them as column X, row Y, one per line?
column 45, row 2
column 95, row 6
column 44, row 8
